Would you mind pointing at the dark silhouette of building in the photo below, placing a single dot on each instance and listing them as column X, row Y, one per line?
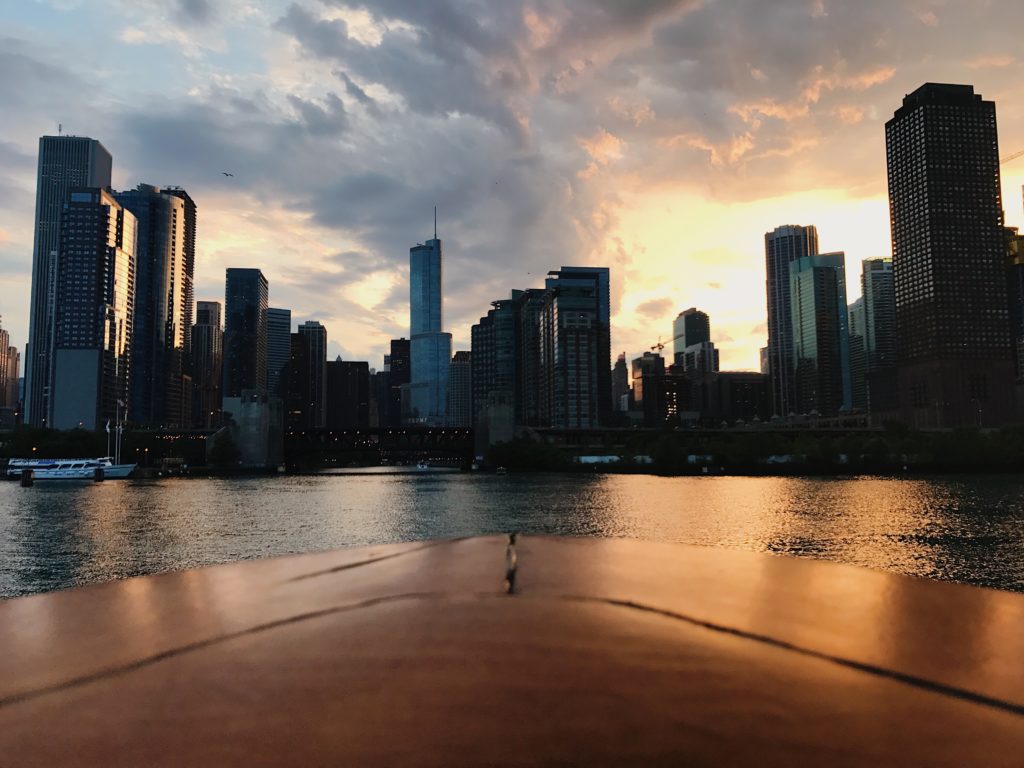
column 95, row 309
column 821, row 356
column 315, row 337
column 690, row 327
column 460, row 390
column 207, row 364
column 575, row 343
column 1015, row 275
column 245, row 332
column 279, row 346
column 620, row 384
column 949, row 259
column 783, row 245
column 729, row 397
column 648, row 373
column 348, row 395
column 858, row 356
column 494, row 345
column 159, row 393
column 64, row 162
column 398, row 379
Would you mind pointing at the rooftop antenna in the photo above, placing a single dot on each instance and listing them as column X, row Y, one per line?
column 60, row 129
column 435, row 222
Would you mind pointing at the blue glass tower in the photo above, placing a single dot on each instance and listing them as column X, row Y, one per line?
column 430, row 347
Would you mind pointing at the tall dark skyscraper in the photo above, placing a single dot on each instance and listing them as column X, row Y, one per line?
column 821, row 371
column 460, row 390
column 398, row 380
column 207, row 364
column 493, row 356
column 245, row 331
column 431, row 347
column 279, row 347
column 348, row 394
column 158, row 393
column 782, row 246
column 64, row 162
column 949, row 259
column 95, row 296
column 620, row 384
column 314, row 336
column 575, row 341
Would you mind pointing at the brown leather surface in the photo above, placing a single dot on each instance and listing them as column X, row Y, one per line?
column 602, row 655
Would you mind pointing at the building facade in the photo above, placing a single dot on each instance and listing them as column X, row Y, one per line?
column 460, row 390
column 158, row 393
column 314, row 335
column 245, row 331
column 279, row 347
column 348, row 394
column 95, row 298
column 820, row 323
column 954, row 354
column 689, row 328
column 64, row 162
column 430, row 346
column 781, row 247
column 207, row 360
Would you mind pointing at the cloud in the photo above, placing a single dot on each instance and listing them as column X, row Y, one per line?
column 655, row 308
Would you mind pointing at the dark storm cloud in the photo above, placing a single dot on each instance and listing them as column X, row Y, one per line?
column 655, row 308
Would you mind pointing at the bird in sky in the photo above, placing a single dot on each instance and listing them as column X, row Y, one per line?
column 227, row 174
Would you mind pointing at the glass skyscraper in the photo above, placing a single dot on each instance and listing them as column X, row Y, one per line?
column 245, row 332
column 820, row 322
column 95, row 295
column 783, row 245
column 954, row 354
column 158, row 395
column 430, row 346
column 207, row 364
column 64, row 162
column 279, row 340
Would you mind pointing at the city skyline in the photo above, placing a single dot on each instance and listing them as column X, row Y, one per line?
column 559, row 162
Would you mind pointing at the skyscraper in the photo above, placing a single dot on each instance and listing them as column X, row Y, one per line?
column 820, row 323
column 279, row 346
column 348, row 394
column 95, row 295
column 207, row 364
column 431, row 348
column 245, row 331
column 159, row 331
column 575, row 344
column 1015, row 266
column 314, row 336
column 858, row 356
column 690, row 327
column 949, row 259
column 493, row 356
column 620, row 384
column 398, row 381
column 9, row 358
column 782, row 246
column 64, row 162
column 460, row 391
column 190, row 229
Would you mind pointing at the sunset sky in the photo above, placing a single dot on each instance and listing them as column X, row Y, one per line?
column 661, row 138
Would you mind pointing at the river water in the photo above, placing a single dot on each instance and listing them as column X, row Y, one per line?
column 52, row 536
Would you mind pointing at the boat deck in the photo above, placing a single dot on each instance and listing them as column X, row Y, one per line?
column 538, row 651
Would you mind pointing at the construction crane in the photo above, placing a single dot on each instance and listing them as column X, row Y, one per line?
column 1014, row 156
column 659, row 346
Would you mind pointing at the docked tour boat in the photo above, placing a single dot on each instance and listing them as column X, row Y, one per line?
column 69, row 469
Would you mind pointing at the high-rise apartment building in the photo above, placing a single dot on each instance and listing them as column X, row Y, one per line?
column 190, row 228
column 398, row 363
column 9, row 371
column 494, row 346
column 954, row 353
column 158, row 392
column 1015, row 274
column 820, row 323
column 575, row 343
column 620, row 384
column 314, row 336
column 689, row 328
column 64, row 162
column 858, row 356
column 207, row 364
column 781, row 247
column 245, row 331
column 279, row 347
column 95, row 296
column 431, row 347
column 460, row 390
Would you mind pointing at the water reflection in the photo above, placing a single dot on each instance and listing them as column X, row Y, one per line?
column 55, row 536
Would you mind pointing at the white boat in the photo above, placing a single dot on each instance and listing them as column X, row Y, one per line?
column 69, row 469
